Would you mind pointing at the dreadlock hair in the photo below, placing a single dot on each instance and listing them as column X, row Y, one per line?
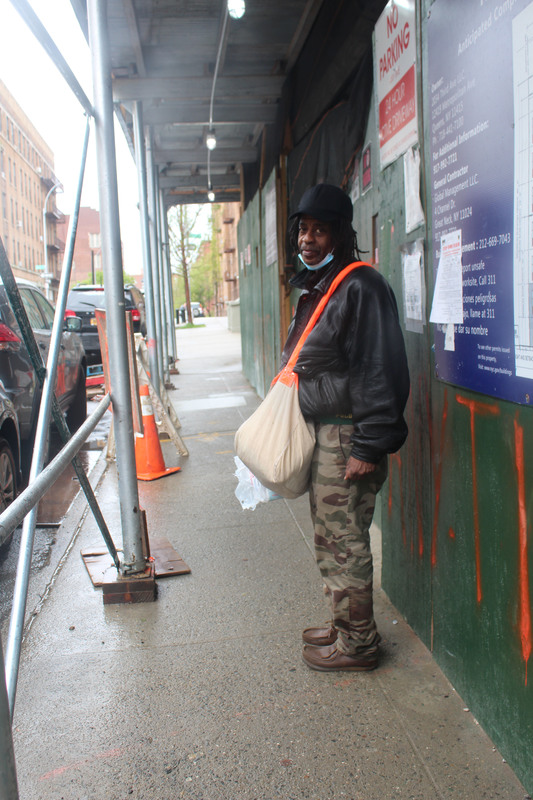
column 345, row 246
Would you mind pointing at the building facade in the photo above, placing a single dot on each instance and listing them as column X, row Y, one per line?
column 87, row 261
column 227, row 218
column 214, row 277
column 28, row 210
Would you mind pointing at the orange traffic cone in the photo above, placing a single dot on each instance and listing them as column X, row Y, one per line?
column 148, row 455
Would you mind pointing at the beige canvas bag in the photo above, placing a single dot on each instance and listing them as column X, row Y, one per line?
column 276, row 443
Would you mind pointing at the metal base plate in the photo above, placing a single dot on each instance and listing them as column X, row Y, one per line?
column 166, row 562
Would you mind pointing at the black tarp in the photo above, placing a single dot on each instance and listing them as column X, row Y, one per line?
column 329, row 151
column 323, row 113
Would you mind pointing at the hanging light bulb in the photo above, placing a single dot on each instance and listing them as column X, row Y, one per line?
column 236, row 8
column 211, row 194
column 211, row 139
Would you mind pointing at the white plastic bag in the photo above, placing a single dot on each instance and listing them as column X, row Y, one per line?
column 250, row 491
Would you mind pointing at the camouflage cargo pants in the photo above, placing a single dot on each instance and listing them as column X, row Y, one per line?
column 342, row 512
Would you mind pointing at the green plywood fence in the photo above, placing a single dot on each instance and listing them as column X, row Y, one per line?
column 457, row 509
column 259, row 292
column 405, row 500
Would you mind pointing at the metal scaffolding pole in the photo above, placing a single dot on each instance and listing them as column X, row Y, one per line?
column 154, row 245
column 162, row 282
column 140, row 158
column 113, row 282
column 168, row 282
column 8, row 772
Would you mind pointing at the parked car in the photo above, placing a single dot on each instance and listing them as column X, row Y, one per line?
column 197, row 310
column 82, row 301
column 17, row 376
column 134, row 295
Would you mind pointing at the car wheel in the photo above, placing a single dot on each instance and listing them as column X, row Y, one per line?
column 77, row 412
column 8, row 484
column 8, row 475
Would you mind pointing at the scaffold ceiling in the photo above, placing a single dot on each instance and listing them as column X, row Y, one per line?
column 168, row 53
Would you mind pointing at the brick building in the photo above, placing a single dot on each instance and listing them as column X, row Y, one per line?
column 27, row 182
column 87, row 254
column 227, row 216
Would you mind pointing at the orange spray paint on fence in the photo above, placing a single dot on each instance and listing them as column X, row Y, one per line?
column 524, row 606
column 476, row 407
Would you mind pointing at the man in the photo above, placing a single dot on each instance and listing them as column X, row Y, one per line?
column 354, row 384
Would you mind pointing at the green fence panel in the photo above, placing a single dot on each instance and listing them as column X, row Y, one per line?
column 259, row 291
column 457, row 510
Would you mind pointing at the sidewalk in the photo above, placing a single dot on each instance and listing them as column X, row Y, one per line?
column 203, row 694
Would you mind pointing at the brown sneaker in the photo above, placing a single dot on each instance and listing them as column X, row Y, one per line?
column 329, row 659
column 320, row 637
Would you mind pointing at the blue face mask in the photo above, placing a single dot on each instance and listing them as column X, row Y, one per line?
column 327, row 260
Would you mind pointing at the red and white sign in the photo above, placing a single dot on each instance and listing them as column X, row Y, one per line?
column 395, row 66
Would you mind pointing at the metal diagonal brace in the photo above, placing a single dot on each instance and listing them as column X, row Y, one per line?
column 20, row 313
column 37, row 28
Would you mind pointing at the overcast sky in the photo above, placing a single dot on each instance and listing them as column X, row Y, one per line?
column 50, row 104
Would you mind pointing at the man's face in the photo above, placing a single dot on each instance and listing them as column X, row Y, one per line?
column 315, row 241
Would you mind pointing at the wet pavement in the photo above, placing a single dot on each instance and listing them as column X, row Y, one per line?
column 202, row 694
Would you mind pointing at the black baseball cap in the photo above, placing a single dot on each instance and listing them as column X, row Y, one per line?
column 325, row 202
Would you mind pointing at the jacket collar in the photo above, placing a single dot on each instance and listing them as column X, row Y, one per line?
column 319, row 279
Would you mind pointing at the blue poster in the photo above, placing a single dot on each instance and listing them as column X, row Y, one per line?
column 480, row 64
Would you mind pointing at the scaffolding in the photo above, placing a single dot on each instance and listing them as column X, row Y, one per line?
column 160, row 343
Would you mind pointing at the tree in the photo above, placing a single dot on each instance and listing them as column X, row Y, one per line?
column 205, row 271
column 183, row 245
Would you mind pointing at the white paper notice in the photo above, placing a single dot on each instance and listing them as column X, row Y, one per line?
column 412, row 286
column 448, row 297
column 449, row 337
column 271, row 250
column 414, row 214
column 355, row 193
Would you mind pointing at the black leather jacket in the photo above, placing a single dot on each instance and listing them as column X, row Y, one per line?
column 353, row 363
